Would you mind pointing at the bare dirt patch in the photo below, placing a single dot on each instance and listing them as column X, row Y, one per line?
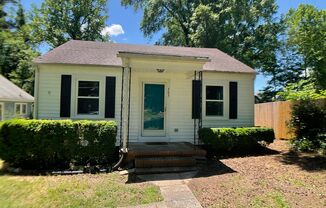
column 282, row 179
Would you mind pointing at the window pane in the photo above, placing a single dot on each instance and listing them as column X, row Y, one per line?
column 214, row 108
column 18, row 109
column 214, row 92
column 24, row 108
column 88, row 106
column 89, row 89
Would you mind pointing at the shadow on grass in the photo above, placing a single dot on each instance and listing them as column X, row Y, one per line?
column 306, row 161
column 5, row 169
column 257, row 151
column 211, row 167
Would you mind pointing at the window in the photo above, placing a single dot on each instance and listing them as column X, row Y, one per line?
column 88, row 97
column 1, row 111
column 214, row 101
column 21, row 108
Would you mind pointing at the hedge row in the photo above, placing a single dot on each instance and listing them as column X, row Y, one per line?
column 48, row 144
column 235, row 139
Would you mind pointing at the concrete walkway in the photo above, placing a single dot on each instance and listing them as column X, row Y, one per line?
column 174, row 190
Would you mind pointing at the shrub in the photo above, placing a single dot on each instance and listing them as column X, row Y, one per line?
column 235, row 139
column 48, row 144
column 308, row 123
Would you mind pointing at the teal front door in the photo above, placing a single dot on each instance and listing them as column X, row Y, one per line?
column 153, row 109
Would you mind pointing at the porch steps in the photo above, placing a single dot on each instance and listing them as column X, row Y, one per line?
column 167, row 157
column 176, row 149
column 164, row 170
column 152, row 162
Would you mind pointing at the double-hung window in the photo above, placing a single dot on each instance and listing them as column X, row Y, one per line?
column 88, row 97
column 20, row 108
column 214, row 100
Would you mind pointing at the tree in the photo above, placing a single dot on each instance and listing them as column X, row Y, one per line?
column 20, row 19
column 244, row 29
column 4, row 24
column 16, row 52
column 171, row 15
column 58, row 21
column 302, row 90
column 307, row 33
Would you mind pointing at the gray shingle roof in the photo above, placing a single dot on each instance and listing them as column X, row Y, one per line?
column 99, row 53
column 10, row 92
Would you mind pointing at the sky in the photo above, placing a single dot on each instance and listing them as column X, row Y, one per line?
column 123, row 24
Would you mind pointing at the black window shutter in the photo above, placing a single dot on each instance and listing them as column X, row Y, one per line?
column 110, row 97
column 65, row 96
column 233, row 108
column 196, row 88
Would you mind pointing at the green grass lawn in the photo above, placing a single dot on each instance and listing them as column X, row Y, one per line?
column 85, row 190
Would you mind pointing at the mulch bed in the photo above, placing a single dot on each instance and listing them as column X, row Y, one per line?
column 279, row 178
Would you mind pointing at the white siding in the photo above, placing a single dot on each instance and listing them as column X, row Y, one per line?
column 179, row 124
column 50, row 89
column 178, row 105
column 50, row 84
column 245, row 99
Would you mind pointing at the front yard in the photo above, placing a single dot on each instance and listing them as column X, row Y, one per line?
column 281, row 179
column 85, row 190
column 278, row 180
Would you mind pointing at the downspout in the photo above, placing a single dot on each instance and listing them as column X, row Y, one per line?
column 200, row 120
column 36, row 91
column 201, row 100
column 122, row 153
column 121, row 105
column 125, row 111
column 129, row 93
column 195, row 78
column 124, row 115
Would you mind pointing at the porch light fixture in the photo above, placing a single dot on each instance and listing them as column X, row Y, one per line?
column 160, row 70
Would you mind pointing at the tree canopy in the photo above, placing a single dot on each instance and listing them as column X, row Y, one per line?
column 302, row 90
column 16, row 50
column 58, row 21
column 244, row 29
column 307, row 33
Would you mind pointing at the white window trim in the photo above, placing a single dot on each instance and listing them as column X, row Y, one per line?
column 225, row 99
column 100, row 98
column 21, row 109
column 2, row 111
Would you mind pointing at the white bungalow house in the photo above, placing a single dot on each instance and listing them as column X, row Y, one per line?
column 155, row 93
column 14, row 102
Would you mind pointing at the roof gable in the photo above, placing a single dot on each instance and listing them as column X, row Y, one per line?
column 11, row 92
column 103, row 53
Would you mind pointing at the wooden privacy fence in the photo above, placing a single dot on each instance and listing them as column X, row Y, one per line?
column 276, row 115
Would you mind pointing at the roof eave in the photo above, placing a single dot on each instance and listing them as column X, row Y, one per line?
column 76, row 64
column 229, row 71
column 126, row 54
column 17, row 100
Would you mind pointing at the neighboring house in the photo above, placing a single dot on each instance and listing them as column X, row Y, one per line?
column 14, row 102
column 155, row 93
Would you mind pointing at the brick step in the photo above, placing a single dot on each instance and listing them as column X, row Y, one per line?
column 152, row 162
column 166, row 153
column 143, row 171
